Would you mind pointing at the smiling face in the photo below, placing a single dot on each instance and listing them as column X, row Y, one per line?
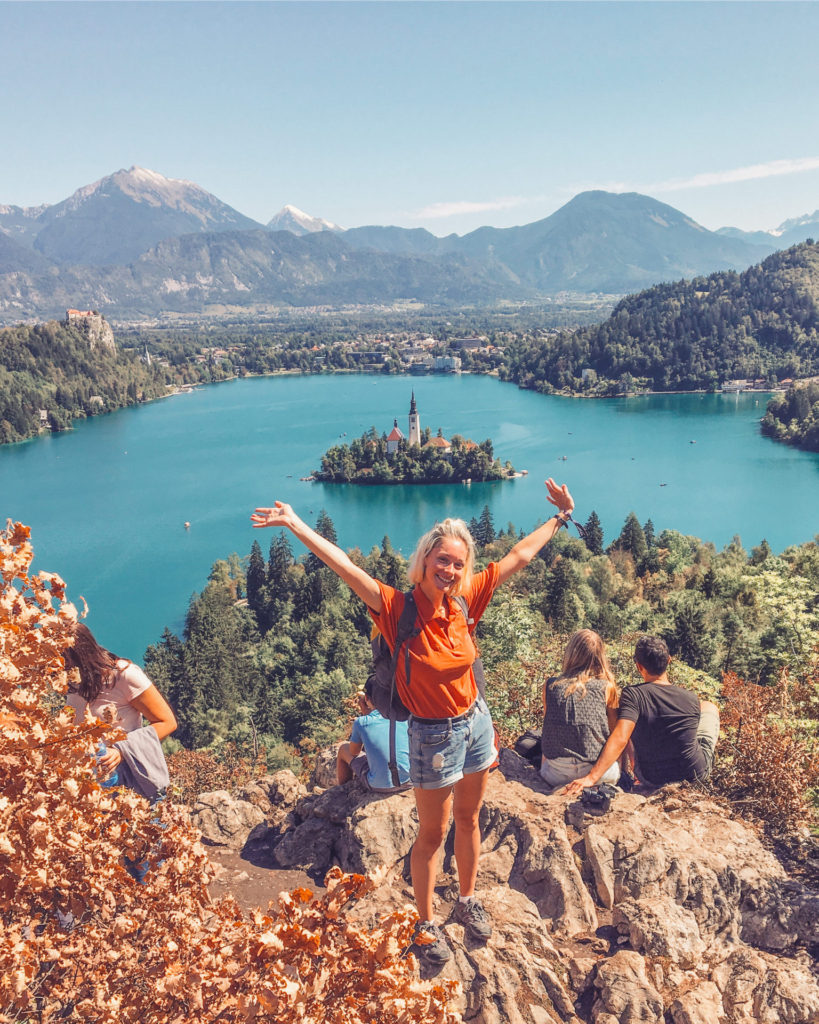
column 444, row 567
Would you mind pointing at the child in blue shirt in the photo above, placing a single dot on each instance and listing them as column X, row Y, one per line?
column 365, row 756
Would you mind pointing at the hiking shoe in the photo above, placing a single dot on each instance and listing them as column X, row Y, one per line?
column 435, row 951
column 474, row 919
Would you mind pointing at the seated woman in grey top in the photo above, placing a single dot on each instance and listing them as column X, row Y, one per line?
column 580, row 710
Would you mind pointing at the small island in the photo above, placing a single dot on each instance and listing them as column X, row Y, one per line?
column 418, row 458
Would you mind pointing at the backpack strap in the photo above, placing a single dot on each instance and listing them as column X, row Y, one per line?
column 460, row 600
column 406, row 631
column 477, row 664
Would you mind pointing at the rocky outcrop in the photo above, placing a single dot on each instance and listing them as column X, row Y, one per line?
column 230, row 820
column 93, row 325
column 662, row 909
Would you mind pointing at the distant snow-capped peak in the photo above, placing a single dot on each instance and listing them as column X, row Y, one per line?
column 797, row 222
column 292, row 219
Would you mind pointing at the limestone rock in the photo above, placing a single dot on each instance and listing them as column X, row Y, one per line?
column 705, row 906
column 283, row 788
column 324, row 770
column 581, row 969
column 700, row 1005
column 225, row 820
column 517, row 977
column 308, row 847
column 379, row 832
column 661, row 927
column 759, row 989
column 625, row 992
column 690, row 851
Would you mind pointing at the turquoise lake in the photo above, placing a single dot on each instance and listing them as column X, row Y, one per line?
column 108, row 500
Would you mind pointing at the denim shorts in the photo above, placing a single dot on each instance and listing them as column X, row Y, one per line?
column 442, row 753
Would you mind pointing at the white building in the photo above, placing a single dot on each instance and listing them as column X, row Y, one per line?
column 394, row 437
column 414, row 423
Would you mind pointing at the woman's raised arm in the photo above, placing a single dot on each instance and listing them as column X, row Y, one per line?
column 525, row 550
column 360, row 582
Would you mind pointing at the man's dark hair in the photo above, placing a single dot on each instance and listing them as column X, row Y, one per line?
column 652, row 653
column 368, row 690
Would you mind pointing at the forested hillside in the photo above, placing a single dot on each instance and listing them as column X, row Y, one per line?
column 794, row 417
column 54, row 367
column 273, row 648
column 690, row 334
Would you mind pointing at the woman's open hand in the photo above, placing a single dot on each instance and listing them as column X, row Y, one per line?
column 559, row 495
column 280, row 515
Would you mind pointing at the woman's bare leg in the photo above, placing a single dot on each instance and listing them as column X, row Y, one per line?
column 469, row 793
column 434, row 806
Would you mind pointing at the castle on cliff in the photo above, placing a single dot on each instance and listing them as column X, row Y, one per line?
column 93, row 325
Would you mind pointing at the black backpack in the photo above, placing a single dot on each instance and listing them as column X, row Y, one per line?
column 381, row 680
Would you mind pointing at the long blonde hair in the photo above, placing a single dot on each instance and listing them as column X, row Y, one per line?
column 458, row 530
column 585, row 658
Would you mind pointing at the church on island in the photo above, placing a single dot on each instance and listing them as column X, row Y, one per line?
column 417, row 458
column 438, row 442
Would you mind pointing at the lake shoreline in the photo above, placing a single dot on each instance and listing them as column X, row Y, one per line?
column 119, row 538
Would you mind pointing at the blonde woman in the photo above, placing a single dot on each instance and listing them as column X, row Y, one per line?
column 450, row 729
column 579, row 712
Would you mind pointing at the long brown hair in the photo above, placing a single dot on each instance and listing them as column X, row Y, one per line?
column 96, row 665
column 585, row 658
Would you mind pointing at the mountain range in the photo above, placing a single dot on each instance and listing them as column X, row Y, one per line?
column 136, row 244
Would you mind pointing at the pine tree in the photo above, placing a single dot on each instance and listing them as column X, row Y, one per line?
column 325, row 528
column 391, row 566
column 632, row 538
column 256, row 582
column 279, row 562
column 689, row 637
column 648, row 530
column 594, row 534
column 163, row 665
column 560, row 604
column 279, row 586
column 323, row 582
column 486, row 527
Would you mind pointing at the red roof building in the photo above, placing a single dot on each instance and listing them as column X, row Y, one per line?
column 393, row 438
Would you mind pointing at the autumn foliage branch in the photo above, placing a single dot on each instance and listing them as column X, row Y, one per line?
column 768, row 757
column 80, row 939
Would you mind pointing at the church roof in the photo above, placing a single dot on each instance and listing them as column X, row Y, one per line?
column 395, row 434
column 437, row 442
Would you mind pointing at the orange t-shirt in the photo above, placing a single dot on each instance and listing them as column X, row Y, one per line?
column 442, row 684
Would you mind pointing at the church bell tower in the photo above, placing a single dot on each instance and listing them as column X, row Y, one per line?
column 414, row 436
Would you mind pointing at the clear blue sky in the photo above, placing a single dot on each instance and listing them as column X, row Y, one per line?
column 438, row 115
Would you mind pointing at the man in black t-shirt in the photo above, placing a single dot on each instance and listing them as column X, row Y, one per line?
column 673, row 733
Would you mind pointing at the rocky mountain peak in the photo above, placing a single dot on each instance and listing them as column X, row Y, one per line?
column 144, row 186
column 291, row 218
